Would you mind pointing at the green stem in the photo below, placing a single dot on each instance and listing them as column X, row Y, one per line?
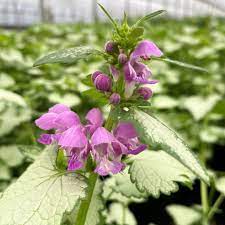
column 216, row 205
column 85, row 204
column 92, row 180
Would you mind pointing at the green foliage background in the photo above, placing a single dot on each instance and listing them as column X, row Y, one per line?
column 189, row 101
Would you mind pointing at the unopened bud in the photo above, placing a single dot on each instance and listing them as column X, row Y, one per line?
column 122, row 58
column 103, row 82
column 111, row 47
column 145, row 92
column 95, row 74
column 114, row 99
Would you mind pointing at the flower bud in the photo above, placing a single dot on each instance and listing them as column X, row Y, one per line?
column 114, row 99
column 145, row 92
column 103, row 82
column 122, row 58
column 111, row 47
column 95, row 74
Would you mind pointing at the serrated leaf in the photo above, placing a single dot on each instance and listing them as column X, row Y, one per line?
column 70, row 55
column 41, row 195
column 155, row 133
column 220, row 185
column 182, row 64
column 183, row 215
column 157, row 172
column 117, row 213
column 199, row 106
column 110, row 193
column 124, row 186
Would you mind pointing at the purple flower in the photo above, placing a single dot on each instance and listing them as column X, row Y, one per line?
column 114, row 99
column 145, row 92
column 103, row 83
column 127, row 135
column 145, row 49
column 58, row 117
column 95, row 74
column 136, row 72
column 45, row 139
column 75, row 142
column 94, row 119
column 107, row 152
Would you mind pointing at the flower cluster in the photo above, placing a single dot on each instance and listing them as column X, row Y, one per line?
column 79, row 141
column 134, row 73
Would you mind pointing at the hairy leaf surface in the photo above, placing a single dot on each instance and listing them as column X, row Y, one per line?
column 157, row 172
column 41, row 195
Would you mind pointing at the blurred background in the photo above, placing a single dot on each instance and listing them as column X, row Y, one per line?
column 190, row 102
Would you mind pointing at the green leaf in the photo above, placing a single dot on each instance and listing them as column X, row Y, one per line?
column 120, row 214
column 95, row 96
column 108, row 15
column 13, row 111
column 149, row 16
column 199, row 106
column 41, row 195
column 157, row 172
column 5, row 173
column 70, row 55
column 11, row 155
column 183, row 215
column 182, row 64
column 30, row 152
column 220, row 185
column 155, row 133
column 136, row 32
column 110, row 192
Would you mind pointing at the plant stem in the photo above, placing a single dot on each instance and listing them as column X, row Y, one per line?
column 85, row 204
column 216, row 205
column 93, row 178
column 204, row 189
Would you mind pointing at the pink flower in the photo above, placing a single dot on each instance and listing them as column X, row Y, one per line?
column 126, row 134
column 107, row 152
column 136, row 72
column 114, row 99
column 59, row 118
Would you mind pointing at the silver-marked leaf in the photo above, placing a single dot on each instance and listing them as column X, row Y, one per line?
column 70, row 55
column 155, row 133
column 220, row 185
column 157, row 172
column 120, row 214
column 41, row 195
column 199, row 106
column 183, row 215
column 124, row 186
column 13, row 111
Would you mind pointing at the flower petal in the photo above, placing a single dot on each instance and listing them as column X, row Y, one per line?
column 115, row 73
column 129, row 89
column 94, row 116
column 73, row 137
column 66, row 120
column 125, row 130
column 139, row 149
column 59, row 108
column 74, row 164
column 101, row 136
column 145, row 50
column 45, row 139
column 105, row 167
column 129, row 72
column 46, row 121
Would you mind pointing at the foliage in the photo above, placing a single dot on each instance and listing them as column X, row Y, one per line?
column 189, row 101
